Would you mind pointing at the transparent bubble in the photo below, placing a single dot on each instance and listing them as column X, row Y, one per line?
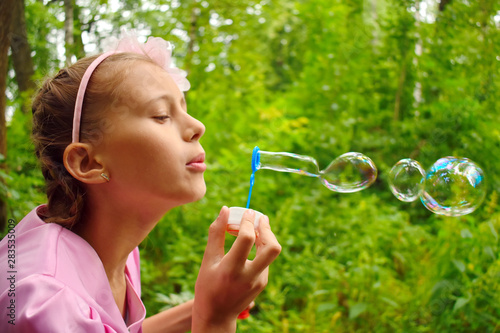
column 406, row 180
column 350, row 172
column 288, row 162
column 453, row 187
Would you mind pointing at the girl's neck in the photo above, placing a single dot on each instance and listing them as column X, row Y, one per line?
column 114, row 234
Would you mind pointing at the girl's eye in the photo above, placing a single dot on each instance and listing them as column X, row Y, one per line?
column 161, row 118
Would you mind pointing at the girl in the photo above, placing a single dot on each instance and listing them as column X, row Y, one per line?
column 118, row 150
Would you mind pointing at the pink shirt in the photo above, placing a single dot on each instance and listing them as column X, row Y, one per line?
column 59, row 284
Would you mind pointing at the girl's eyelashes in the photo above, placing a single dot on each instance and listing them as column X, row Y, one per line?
column 162, row 118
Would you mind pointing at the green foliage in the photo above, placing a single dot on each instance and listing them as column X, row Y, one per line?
column 24, row 179
column 321, row 78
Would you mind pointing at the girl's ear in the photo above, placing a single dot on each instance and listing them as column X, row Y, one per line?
column 80, row 162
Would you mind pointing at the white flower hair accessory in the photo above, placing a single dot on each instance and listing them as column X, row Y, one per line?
column 159, row 50
column 156, row 48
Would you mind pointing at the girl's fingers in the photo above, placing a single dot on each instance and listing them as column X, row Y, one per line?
column 268, row 247
column 216, row 237
column 241, row 248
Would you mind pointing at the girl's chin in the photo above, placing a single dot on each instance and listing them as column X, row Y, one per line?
column 197, row 194
column 194, row 194
column 201, row 193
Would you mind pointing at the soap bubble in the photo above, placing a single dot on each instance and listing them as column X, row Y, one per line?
column 406, row 180
column 453, row 187
column 288, row 162
column 350, row 172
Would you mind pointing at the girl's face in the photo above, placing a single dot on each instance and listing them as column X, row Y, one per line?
column 151, row 148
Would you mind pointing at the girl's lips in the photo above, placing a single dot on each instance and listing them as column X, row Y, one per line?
column 198, row 163
column 197, row 166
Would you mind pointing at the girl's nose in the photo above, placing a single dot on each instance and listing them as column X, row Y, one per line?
column 194, row 129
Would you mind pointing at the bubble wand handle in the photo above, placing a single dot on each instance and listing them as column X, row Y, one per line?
column 255, row 167
column 252, row 181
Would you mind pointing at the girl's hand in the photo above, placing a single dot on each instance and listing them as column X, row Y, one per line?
column 228, row 283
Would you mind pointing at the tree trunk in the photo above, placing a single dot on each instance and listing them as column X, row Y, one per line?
column 399, row 93
column 193, row 26
column 68, row 30
column 6, row 9
column 78, row 47
column 21, row 52
column 192, row 37
column 417, row 90
column 374, row 18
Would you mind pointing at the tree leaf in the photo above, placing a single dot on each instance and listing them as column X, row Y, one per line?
column 357, row 309
column 460, row 302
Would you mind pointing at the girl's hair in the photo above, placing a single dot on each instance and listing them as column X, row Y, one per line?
column 53, row 109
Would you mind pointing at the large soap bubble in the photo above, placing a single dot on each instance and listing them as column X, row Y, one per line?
column 453, row 187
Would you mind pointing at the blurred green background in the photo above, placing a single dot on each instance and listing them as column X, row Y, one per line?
column 391, row 79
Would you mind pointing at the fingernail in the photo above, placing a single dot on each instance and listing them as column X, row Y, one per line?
column 220, row 212
column 251, row 213
column 264, row 221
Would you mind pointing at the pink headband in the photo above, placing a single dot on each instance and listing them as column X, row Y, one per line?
column 156, row 48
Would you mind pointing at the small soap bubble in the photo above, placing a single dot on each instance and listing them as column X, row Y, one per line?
column 453, row 187
column 350, row 172
column 406, row 180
